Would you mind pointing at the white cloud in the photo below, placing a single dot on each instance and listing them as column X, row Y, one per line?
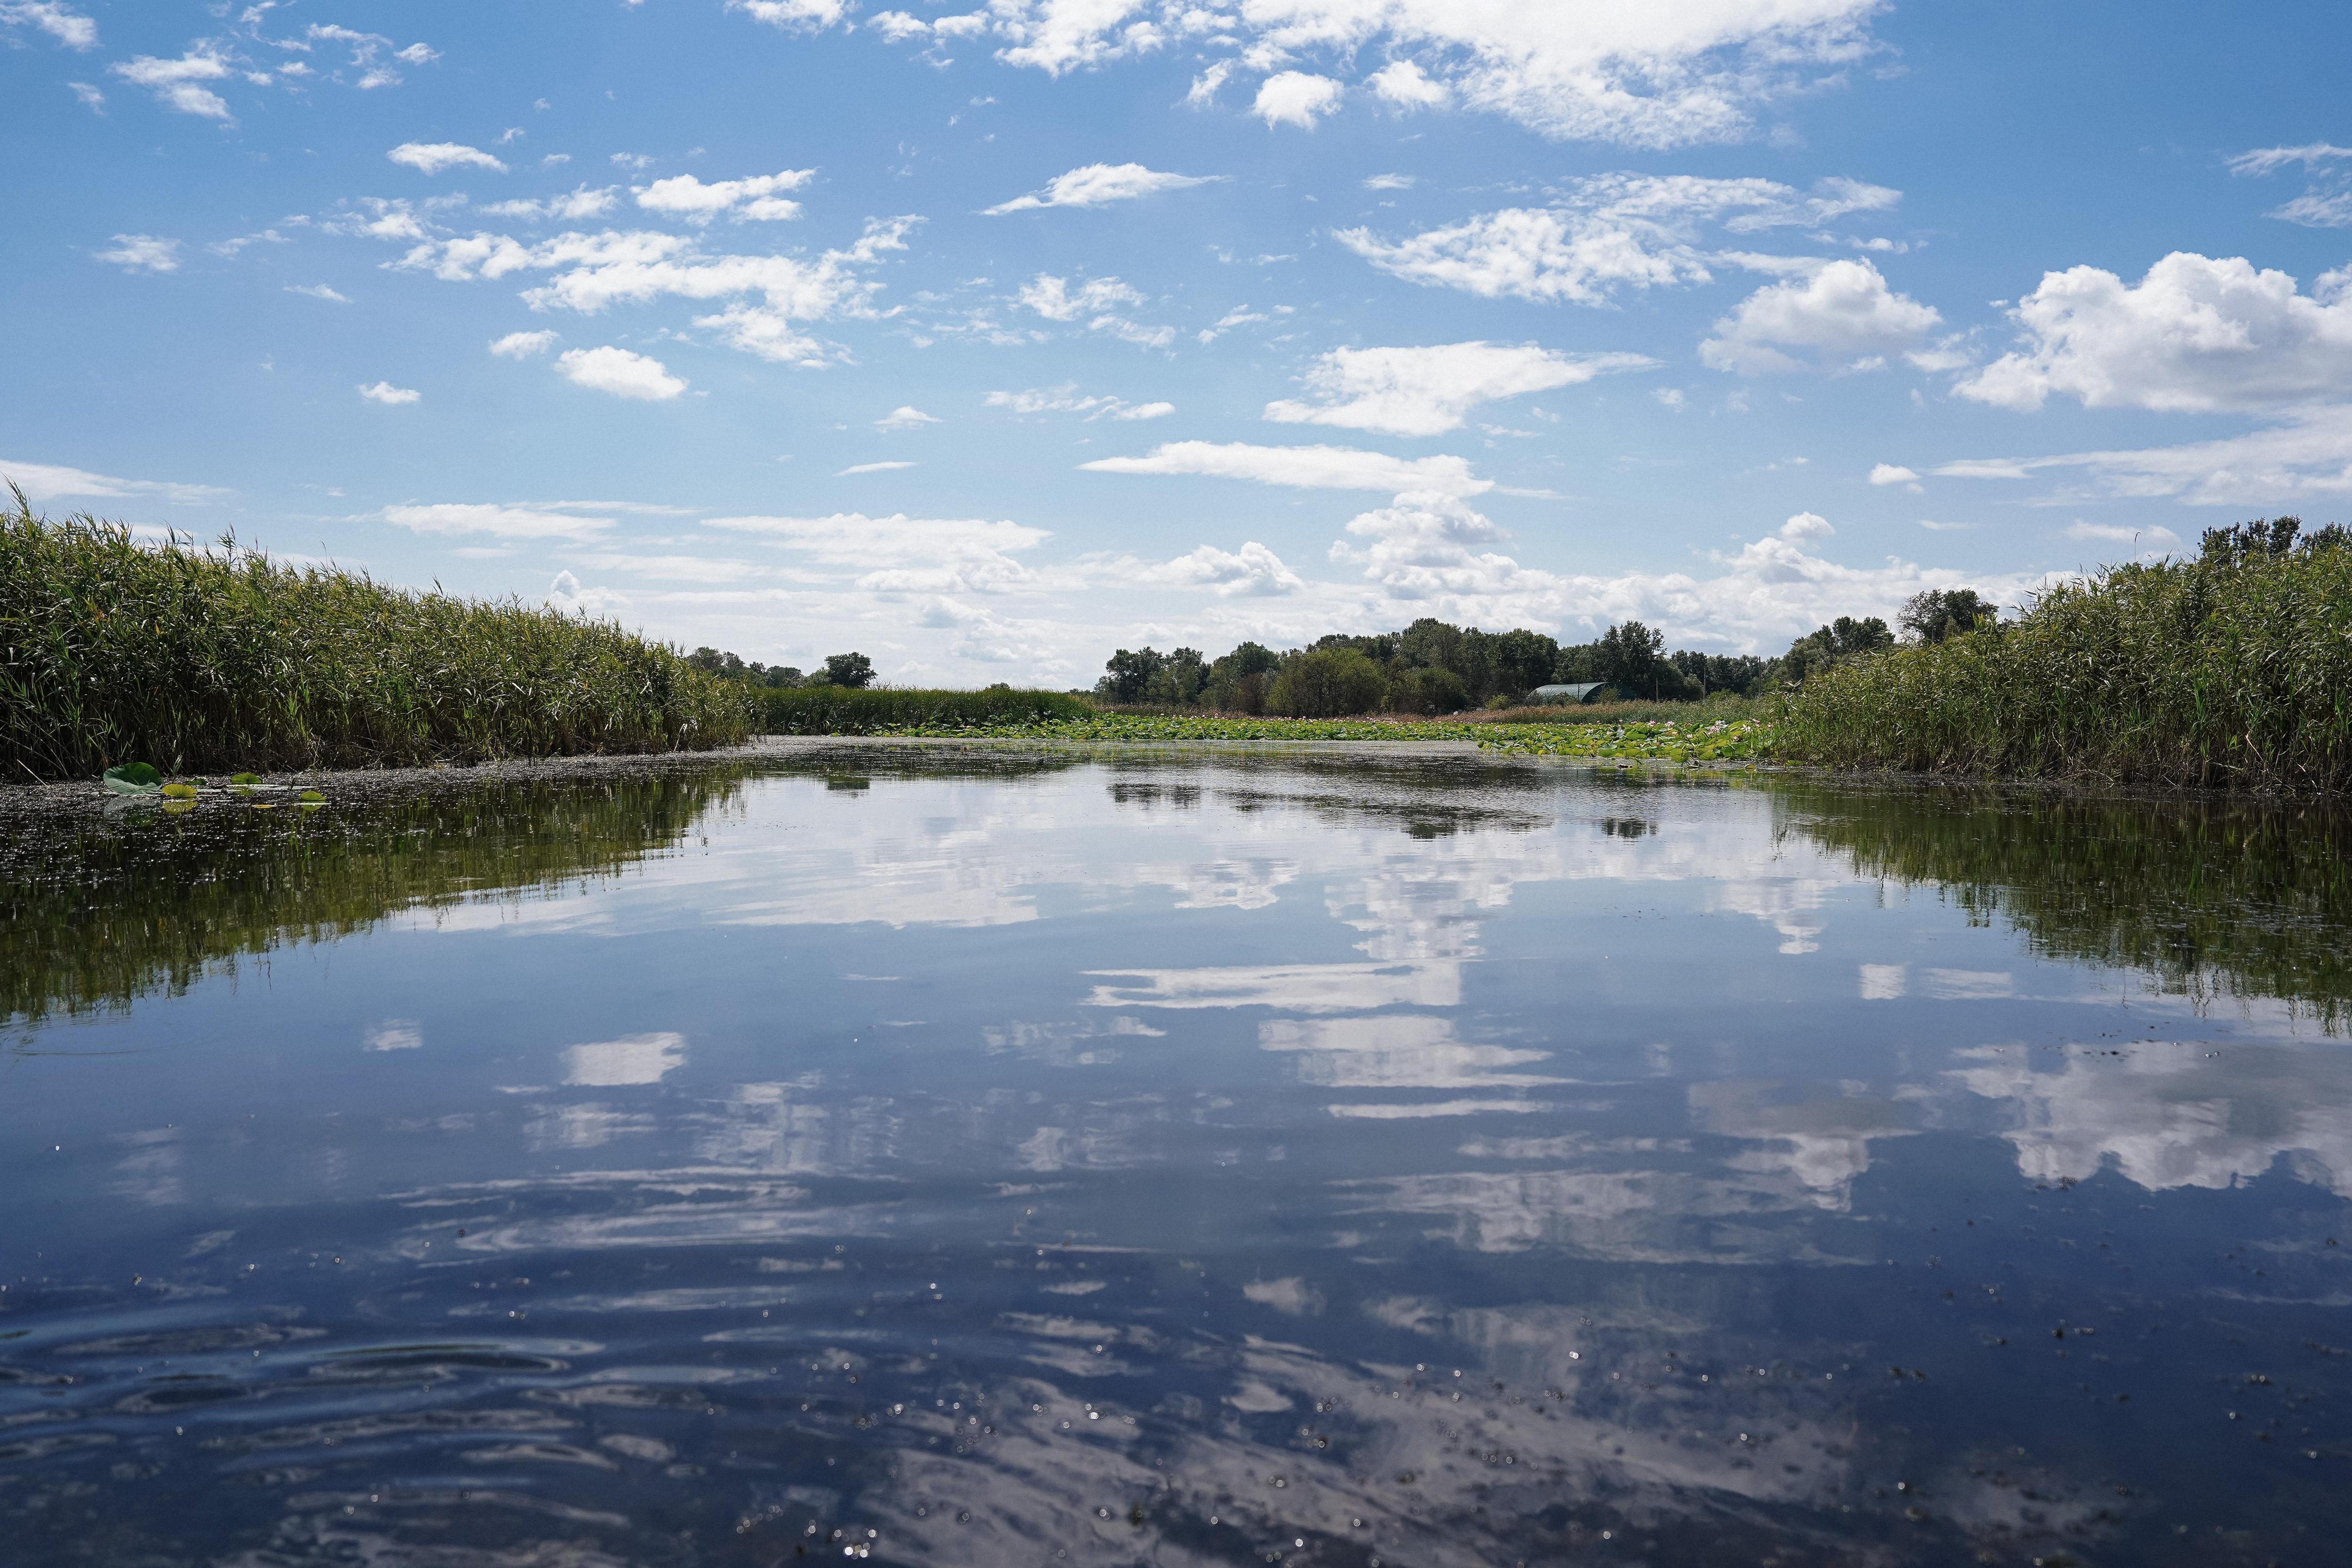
column 2306, row 456
column 69, row 27
column 503, row 521
column 2327, row 203
column 567, row 594
column 47, row 481
column 1611, row 232
column 1064, row 399
column 584, row 202
column 1098, row 184
column 1296, row 97
column 810, row 16
column 1054, row 298
column 391, row 396
column 1644, row 75
column 620, row 373
column 173, row 82
column 1891, row 474
column 906, row 416
column 1407, row 86
column 688, row 197
column 142, row 252
column 91, row 98
column 435, row 157
column 318, row 291
column 2196, row 334
column 904, row 554
column 522, row 345
column 1208, row 84
column 1303, row 468
column 2151, row 534
column 1390, row 182
column 1252, row 571
column 1427, row 391
column 592, row 271
column 1844, row 313
column 873, row 468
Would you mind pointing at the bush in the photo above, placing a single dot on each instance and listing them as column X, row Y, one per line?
column 1326, row 683
column 198, row 660
column 2234, row 669
column 852, row 711
column 1431, row 690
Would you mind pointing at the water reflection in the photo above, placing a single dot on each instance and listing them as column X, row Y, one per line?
column 1184, row 1159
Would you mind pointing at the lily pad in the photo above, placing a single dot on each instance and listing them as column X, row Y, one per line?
column 133, row 778
column 244, row 778
column 312, row 798
column 180, row 791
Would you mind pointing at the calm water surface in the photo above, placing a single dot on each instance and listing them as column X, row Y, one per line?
column 997, row 1158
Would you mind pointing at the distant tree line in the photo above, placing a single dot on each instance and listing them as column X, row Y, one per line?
column 851, row 669
column 1432, row 668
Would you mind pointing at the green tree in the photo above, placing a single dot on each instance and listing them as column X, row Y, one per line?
column 1431, row 690
column 1128, row 675
column 1631, row 658
column 1328, row 683
column 1933, row 614
column 852, row 669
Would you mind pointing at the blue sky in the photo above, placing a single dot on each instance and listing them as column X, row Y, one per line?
column 986, row 340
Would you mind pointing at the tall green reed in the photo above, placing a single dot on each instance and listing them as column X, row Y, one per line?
column 2210, row 673
column 201, row 659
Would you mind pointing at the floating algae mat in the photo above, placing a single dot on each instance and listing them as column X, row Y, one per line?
column 978, row 1155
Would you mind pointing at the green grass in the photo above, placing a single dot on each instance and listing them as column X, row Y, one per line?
column 2208, row 673
column 847, row 710
column 1662, row 741
column 209, row 660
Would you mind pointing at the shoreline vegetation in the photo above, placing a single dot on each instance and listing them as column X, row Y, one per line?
column 2229, row 670
column 115, row 649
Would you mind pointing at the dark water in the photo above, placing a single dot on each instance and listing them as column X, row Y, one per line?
column 1019, row 1159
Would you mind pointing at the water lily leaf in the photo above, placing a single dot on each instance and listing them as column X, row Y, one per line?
column 312, row 798
column 244, row 778
column 180, row 791
column 133, row 778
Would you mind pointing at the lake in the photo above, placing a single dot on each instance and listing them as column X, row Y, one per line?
column 971, row 1155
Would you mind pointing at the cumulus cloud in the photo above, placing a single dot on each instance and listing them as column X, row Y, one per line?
column 175, row 82
column 1648, row 75
column 320, row 291
column 436, row 157
column 1608, row 233
column 142, row 252
column 1303, row 468
column 1843, row 315
column 687, row 197
column 1390, row 182
column 1428, row 391
column 906, row 416
column 904, row 554
column 2197, row 334
column 1296, row 97
column 66, row 25
column 594, row 271
column 1891, row 474
column 391, row 396
column 522, row 345
column 1097, row 184
column 1252, row 571
column 501, row 522
column 620, row 373
column 47, row 481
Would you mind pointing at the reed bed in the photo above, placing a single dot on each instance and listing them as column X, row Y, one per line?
column 858, row 711
column 2214, row 673
column 195, row 660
